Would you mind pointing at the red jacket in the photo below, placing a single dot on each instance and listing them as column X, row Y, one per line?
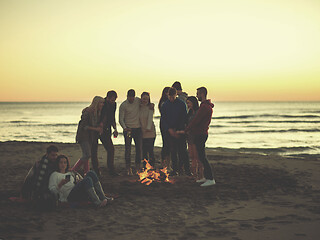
column 201, row 121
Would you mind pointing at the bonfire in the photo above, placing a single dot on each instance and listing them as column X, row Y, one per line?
column 150, row 175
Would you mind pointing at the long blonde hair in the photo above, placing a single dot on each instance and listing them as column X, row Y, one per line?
column 94, row 105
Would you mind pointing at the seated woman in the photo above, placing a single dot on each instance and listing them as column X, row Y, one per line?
column 69, row 189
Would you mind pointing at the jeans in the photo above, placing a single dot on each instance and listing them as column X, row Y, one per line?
column 136, row 134
column 165, row 151
column 147, row 149
column 79, row 191
column 179, row 153
column 107, row 143
column 200, row 141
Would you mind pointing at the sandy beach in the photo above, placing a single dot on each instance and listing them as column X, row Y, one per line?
column 257, row 196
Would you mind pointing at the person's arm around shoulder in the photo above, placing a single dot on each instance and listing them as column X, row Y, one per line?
column 197, row 118
column 150, row 119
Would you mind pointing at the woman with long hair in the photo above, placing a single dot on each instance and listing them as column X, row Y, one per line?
column 147, row 127
column 196, row 166
column 88, row 130
column 165, row 151
column 68, row 188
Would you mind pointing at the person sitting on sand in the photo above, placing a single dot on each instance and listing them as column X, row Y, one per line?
column 35, row 185
column 68, row 188
column 88, row 132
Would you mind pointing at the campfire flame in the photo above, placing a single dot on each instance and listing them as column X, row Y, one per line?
column 150, row 175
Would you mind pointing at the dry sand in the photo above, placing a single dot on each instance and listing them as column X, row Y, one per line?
column 256, row 197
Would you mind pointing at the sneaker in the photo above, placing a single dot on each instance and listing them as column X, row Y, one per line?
column 202, row 180
column 208, row 183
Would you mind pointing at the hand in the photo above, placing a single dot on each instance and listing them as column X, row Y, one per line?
column 63, row 182
column 115, row 133
column 99, row 129
column 181, row 132
column 173, row 133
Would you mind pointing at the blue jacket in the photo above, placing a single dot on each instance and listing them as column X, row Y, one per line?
column 173, row 115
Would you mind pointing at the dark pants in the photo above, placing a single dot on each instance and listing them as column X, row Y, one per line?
column 107, row 143
column 165, row 151
column 147, row 149
column 200, row 141
column 79, row 192
column 136, row 134
column 178, row 150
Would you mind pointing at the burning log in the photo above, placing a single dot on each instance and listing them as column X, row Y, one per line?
column 150, row 175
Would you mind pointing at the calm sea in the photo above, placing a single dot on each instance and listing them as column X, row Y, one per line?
column 270, row 127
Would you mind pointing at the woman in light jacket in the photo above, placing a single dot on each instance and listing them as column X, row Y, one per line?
column 88, row 130
column 147, row 127
column 68, row 188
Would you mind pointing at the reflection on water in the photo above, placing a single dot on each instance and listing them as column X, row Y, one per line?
column 290, row 127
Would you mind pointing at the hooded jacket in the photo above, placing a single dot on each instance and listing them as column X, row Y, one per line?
column 201, row 121
column 183, row 96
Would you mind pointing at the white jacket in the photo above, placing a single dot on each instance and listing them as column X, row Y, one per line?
column 63, row 192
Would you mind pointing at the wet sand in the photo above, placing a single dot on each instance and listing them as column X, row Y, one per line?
column 257, row 196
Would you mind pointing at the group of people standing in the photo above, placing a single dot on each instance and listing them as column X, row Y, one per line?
column 182, row 121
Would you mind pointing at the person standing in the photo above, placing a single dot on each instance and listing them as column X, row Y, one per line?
column 129, row 119
column 174, row 115
column 148, row 128
column 88, row 132
column 107, row 121
column 181, row 95
column 196, row 165
column 199, row 128
column 165, row 150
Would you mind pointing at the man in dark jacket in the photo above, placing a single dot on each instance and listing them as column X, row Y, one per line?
column 36, row 182
column 199, row 128
column 107, row 120
column 174, row 119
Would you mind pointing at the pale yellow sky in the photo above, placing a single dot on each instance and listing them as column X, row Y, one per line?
column 241, row 50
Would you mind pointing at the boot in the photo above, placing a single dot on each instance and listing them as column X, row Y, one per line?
column 77, row 166
column 93, row 196
column 99, row 191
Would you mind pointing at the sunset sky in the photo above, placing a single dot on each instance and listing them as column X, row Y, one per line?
column 241, row 50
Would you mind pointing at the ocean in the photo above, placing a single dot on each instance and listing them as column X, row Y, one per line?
column 289, row 128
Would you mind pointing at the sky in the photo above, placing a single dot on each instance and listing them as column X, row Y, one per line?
column 241, row 50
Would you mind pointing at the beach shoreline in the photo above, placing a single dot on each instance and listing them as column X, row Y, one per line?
column 257, row 196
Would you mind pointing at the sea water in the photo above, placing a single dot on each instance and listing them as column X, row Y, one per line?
column 271, row 127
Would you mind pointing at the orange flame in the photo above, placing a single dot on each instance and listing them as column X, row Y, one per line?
column 150, row 175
